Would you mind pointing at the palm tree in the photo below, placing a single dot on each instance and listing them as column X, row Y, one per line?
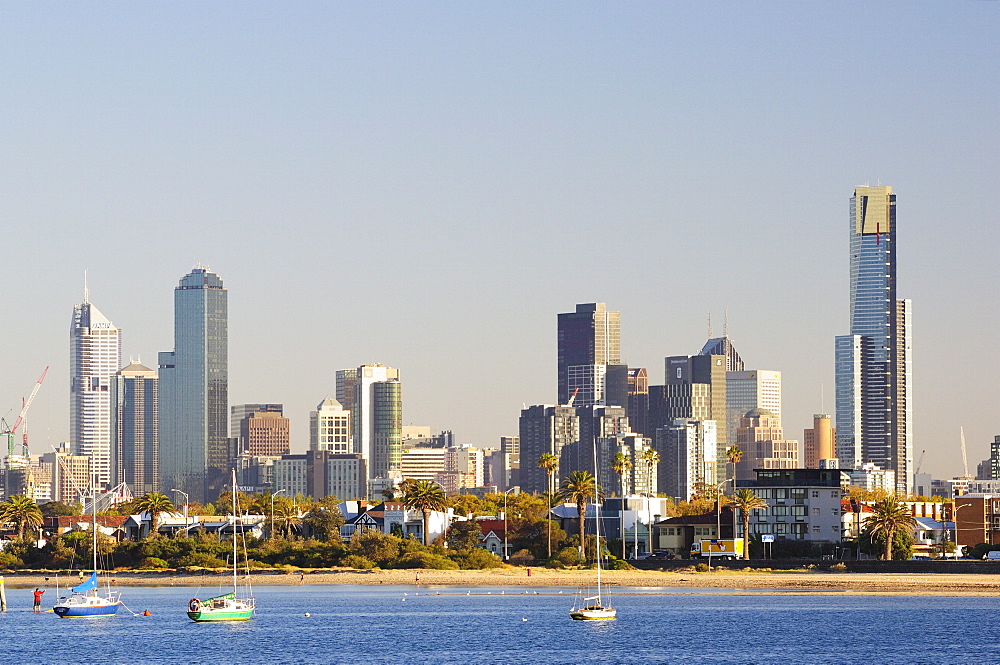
column 746, row 500
column 153, row 503
column 550, row 463
column 888, row 516
column 734, row 454
column 651, row 458
column 23, row 512
column 621, row 464
column 425, row 496
column 579, row 487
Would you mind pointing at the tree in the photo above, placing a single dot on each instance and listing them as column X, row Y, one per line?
column 58, row 508
column 550, row 463
column 23, row 512
column 888, row 516
column 651, row 458
column 425, row 496
column 734, row 454
column 153, row 503
column 324, row 520
column 621, row 465
column 746, row 500
column 464, row 535
column 579, row 487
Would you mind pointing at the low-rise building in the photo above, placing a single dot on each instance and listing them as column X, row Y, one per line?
column 803, row 504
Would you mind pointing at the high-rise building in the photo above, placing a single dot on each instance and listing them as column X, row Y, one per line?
column 330, row 428
column 95, row 356
column 589, row 347
column 238, row 412
column 637, row 402
column 874, row 362
column 347, row 381
column 687, row 449
column 265, row 433
column 378, row 418
column 748, row 390
column 544, row 429
column 695, row 390
column 762, row 440
column 134, row 429
column 70, row 474
column 194, row 389
column 818, row 442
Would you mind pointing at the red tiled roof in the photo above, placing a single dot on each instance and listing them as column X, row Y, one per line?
column 496, row 526
column 112, row 521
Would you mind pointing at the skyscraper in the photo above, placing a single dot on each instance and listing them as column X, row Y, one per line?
column 751, row 389
column 544, row 429
column 378, row 418
column 95, row 356
column 873, row 363
column 818, row 442
column 136, row 449
column 194, row 389
column 589, row 347
column 330, row 428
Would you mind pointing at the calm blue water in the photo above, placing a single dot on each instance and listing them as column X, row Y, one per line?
column 363, row 624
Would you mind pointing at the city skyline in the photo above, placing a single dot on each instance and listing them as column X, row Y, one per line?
column 377, row 185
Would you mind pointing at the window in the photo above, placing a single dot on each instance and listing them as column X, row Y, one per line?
column 815, row 494
column 816, row 529
column 815, row 511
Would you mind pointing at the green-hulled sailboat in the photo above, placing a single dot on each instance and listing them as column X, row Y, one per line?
column 227, row 607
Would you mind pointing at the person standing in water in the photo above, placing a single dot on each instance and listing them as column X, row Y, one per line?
column 38, row 600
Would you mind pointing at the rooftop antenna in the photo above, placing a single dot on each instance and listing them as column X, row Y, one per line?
column 709, row 324
column 86, row 289
column 822, row 399
column 725, row 325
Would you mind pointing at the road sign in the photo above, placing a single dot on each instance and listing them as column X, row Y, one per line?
column 767, row 538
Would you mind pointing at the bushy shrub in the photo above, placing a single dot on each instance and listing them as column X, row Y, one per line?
column 620, row 564
column 477, row 559
column 9, row 561
column 425, row 560
column 521, row 558
column 355, row 561
column 201, row 560
column 568, row 556
column 153, row 562
column 701, row 568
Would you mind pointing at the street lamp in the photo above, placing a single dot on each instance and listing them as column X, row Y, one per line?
column 506, row 492
column 186, row 502
column 718, row 519
column 274, row 494
column 954, row 518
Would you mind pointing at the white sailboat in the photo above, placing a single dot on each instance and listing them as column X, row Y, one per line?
column 87, row 600
column 226, row 607
column 594, row 608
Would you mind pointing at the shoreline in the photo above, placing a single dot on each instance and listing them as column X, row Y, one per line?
column 951, row 584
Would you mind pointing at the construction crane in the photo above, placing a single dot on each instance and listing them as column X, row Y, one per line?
column 920, row 463
column 572, row 397
column 25, row 405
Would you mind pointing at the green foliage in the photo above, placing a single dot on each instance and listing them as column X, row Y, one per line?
column 9, row 561
column 201, row 560
column 620, row 564
column 981, row 550
column 567, row 556
column 58, row 508
column 521, row 558
column 355, row 561
column 22, row 512
column 889, row 517
column 323, row 521
column 902, row 545
column 425, row 560
column 152, row 563
column 464, row 535
column 476, row 559
column 701, row 568
column 380, row 548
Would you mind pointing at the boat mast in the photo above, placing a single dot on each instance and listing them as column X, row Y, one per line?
column 235, row 513
column 597, row 526
column 93, row 505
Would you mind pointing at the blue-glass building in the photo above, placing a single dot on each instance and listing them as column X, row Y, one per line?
column 873, row 363
column 194, row 389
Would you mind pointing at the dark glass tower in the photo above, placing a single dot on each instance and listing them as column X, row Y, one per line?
column 194, row 389
column 135, row 450
column 589, row 346
column 873, row 363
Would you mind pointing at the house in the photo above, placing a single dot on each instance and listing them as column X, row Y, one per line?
column 493, row 535
column 393, row 517
column 677, row 534
column 109, row 525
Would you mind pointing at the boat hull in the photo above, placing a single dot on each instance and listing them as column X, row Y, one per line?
column 593, row 614
column 86, row 611
column 220, row 615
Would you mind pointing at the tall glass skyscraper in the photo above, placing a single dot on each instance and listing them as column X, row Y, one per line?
column 194, row 389
column 589, row 362
column 874, row 363
column 94, row 358
column 134, row 424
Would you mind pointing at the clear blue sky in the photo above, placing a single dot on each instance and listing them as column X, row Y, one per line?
column 428, row 184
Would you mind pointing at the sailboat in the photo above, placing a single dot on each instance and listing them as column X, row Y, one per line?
column 226, row 607
column 594, row 608
column 86, row 600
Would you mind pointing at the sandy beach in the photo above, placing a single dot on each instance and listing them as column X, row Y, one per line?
column 728, row 581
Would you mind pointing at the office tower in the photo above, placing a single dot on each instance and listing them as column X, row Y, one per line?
column 818, row 442
column 723, row 346
column 343, row 475
column 378, row 418
column 764, row 446
column 347, row 381
column 995, row 458
column 422, row 463
column 874, row 362
column 596, row 422
column 695, row 390
column 95, row 356
column 544, row 429
column 238, row 412
column 194, row 389
column 748, row 390
column 589, row 346
column 134, row 429
column 264, row 433
column 466, row 463
column 330, row 428
column 637, row 401
column 687, row 449
column 70, row 474
column 290, row 475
